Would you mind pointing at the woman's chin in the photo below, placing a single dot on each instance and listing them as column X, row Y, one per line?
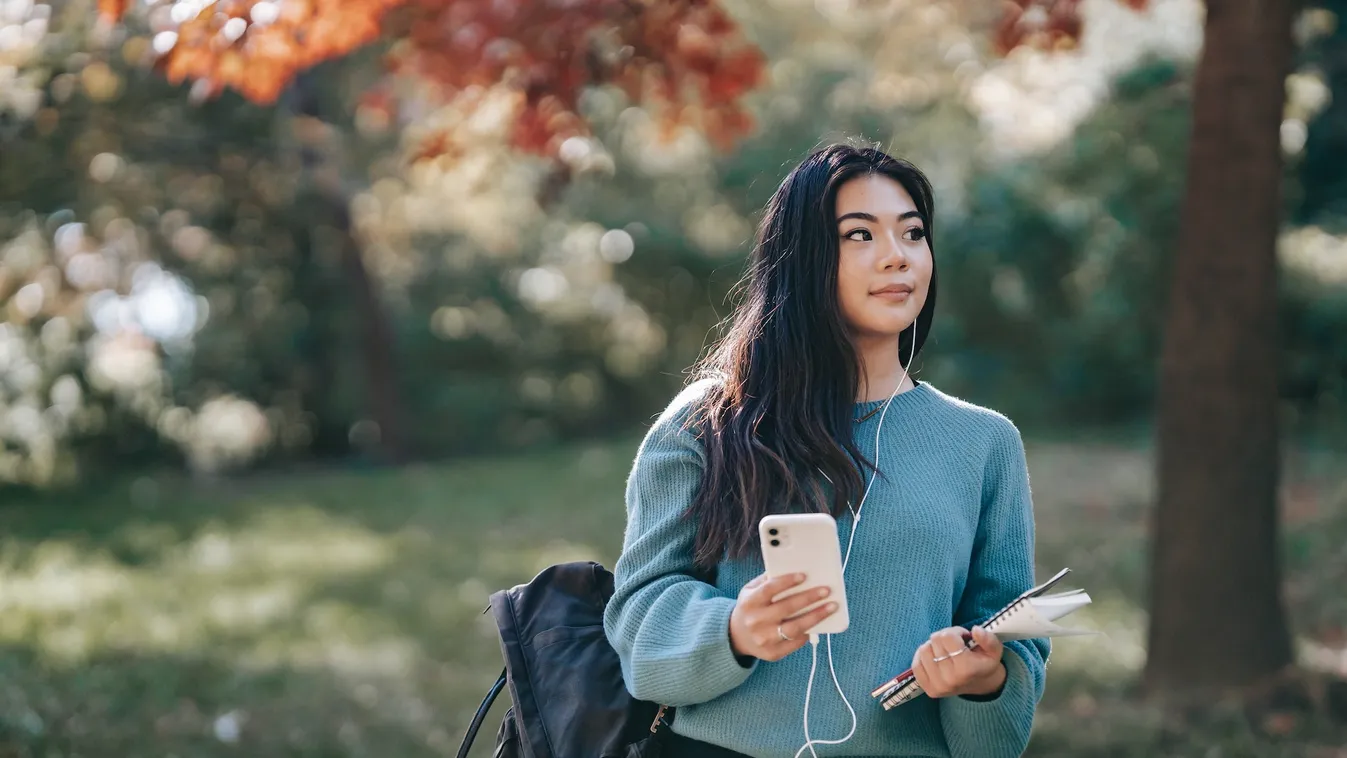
column 891, row 323
column 883, row 331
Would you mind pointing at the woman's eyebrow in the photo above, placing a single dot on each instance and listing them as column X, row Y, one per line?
column 871, row 218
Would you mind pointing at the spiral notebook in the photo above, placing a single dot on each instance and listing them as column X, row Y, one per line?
column 1029, row 616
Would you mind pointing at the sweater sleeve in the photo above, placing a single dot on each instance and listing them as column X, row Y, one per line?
column 1002, row 567
column 670, row 630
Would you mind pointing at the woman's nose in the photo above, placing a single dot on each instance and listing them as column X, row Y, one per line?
column 894, row 256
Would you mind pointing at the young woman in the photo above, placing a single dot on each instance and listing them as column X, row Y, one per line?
column 807, row 405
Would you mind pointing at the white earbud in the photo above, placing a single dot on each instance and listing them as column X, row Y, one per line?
column 846, row 558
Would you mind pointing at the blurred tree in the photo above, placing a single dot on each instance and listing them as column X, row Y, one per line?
column 685, row 59
column 1056, row 284
column 1217, row 617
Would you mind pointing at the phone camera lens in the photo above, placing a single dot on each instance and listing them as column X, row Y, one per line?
column 772, row 532
column 776, row 543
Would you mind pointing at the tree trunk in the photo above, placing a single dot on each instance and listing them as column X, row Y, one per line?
column 324, row 199
column 377, row 339
column 1217, row 617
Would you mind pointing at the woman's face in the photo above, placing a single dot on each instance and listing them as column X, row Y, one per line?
column 884, row 262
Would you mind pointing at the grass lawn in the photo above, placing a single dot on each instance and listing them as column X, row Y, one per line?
column 339, row 614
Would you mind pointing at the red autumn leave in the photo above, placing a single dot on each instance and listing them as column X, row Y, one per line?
column 686, row 58
column 1043, row 24
column 112, row 10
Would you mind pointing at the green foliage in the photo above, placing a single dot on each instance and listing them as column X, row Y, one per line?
column 1314, row 308
column 1055, row 274
column 1322, row 175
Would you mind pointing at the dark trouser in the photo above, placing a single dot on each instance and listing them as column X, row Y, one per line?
column 679, row 746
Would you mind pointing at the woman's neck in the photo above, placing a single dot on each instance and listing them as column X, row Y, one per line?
column 881, row 372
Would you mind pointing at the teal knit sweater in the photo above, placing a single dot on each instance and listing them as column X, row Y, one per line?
column 946, row 537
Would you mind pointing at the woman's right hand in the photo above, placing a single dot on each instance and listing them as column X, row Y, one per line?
column 755, row 621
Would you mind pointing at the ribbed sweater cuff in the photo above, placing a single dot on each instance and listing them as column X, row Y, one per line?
column 987, row 728
column 723, row 671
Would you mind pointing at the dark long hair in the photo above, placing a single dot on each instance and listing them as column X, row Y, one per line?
column 780, row 403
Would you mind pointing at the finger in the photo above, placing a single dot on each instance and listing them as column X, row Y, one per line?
column 968, row 667
column 765, row 592
column 935, row 683
column 774, row 633
column 777, row 648
column 990, row 643
column 976, row 663
column 755, row 581
column 957, row 666
column 941, row 685
column 956, row 634
column 986, row 657
column 800, row 627
column 916, row 655
column 788, row 607
column 919, row 671
column 948, row 641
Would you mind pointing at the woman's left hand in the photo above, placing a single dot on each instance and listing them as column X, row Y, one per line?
column 944, row 666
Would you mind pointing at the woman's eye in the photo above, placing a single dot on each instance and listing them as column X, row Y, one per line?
column 916, row 234
column 864, row 235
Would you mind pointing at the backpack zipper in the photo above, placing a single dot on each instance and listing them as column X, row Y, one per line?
column 659, row 717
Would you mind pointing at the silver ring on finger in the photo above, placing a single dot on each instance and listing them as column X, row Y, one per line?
column 782, row 634
column 940, row 658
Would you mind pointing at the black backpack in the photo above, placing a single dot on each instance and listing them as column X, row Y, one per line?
column 565, row 680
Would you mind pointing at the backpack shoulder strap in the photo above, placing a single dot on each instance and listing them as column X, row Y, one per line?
column 480, row 715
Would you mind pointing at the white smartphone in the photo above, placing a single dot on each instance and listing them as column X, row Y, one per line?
column 807, row 543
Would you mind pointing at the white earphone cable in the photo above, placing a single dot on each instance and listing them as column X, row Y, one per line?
column 846, row 558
